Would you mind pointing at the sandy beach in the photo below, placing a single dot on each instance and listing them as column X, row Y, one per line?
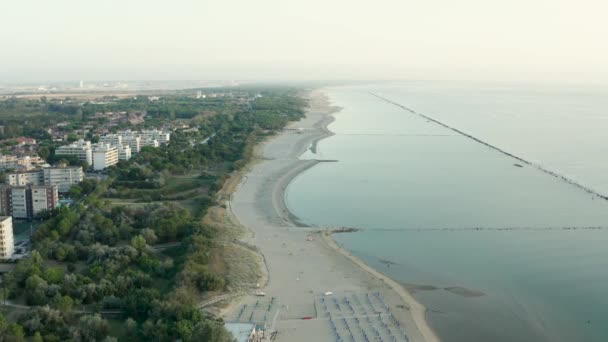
column 303, row 264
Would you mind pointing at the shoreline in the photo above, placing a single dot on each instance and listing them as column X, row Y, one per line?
column 264, row 213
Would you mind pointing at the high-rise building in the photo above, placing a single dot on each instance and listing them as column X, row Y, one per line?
column 7, row 243
column 25, row 202
column 19, row 201
column 124, row 152
column 104, row 155
column 63, row 177
column 43, row 198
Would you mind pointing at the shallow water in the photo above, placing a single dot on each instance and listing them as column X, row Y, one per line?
column 447, row 211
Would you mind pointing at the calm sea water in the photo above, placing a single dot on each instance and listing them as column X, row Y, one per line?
column 446, row 211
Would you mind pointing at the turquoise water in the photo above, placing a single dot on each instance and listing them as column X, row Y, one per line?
column 447, row 211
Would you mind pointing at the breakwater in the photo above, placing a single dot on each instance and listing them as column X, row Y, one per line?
column 498, row 149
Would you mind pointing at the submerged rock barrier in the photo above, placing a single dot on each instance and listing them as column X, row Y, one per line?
column 498, row 149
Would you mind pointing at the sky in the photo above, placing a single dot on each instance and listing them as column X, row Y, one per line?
column 536, row 40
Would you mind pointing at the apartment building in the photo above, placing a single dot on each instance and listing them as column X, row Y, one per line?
column 124, row 152
column 62, row 177
column 22, row 178
column 18, row 201
column 83, row 150
column 104, row 155
column 111, row 139
column 161, row 136
column 25, row 202
column 43, row 198
column 7, row 243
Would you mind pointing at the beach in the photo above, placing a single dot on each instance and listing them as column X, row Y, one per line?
column 304, row 267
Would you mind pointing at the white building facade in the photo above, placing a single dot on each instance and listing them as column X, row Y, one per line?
column 24, row 178
column 83, row 150
column 104, row 155
column 7, row 243
column 62, row 177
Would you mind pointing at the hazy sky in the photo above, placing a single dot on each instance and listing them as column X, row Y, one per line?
column 303, row 39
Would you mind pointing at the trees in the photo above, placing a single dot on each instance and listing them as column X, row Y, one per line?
column 10, row 332
column 100, row 251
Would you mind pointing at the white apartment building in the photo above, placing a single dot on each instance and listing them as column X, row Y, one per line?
column 62, row 177
column 25, row 202
column 133, row 142
column 124, row 152
column 112, row 139
column 24, row 178
column 150, row 142
column 104, row 155
column 163, row 137
column 18, row 202
column 155, row 134
column 20, row 163
column 7, row 244
column 81, row 149
column 43, row 198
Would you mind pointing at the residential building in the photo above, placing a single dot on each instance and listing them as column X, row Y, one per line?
column 104, row 155
column 155, row 134
column 150, row 142
column 62, row 177
column 124, row 152
column 23, row 163
column 163, row 137
column 83, row 150
column 25, row 202
column 21, row 178
column 7, row 244
column 133, row 142
column 43, row 198
column 18, row 200
column 111, row 139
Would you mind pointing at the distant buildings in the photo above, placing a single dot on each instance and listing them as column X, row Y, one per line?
column 25, row 202
column 134, row 142
column 62, row 177
column 10, row 162
column 114, row 147
column 147, row 136
column 7, row 244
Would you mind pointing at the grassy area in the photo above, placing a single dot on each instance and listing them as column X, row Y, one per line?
column 176, row 188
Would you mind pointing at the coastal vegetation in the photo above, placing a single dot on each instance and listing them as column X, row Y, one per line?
column 132, row 257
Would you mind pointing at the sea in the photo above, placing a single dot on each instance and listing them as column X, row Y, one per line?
column 485, row 199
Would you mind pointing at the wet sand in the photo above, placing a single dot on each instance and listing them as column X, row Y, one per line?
column 300, row 271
